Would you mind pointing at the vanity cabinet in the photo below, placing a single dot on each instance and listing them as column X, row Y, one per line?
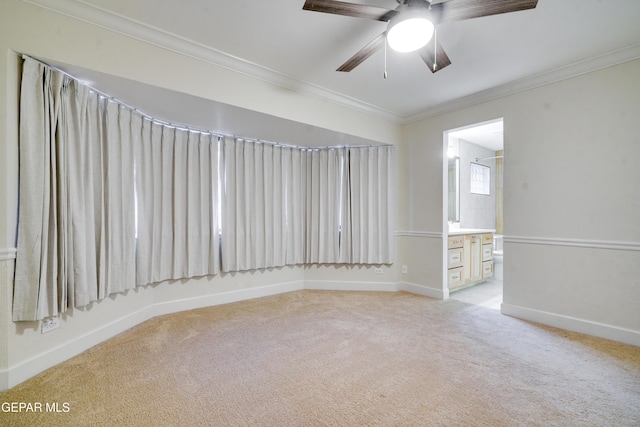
column 487, row 256
column 470, row 259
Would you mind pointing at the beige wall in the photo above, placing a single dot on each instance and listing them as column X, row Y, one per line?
column 571, row 198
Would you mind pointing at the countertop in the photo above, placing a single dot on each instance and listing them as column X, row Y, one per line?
column 458, row 231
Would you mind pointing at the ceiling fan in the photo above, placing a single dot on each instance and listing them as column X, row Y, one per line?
column 412, row 24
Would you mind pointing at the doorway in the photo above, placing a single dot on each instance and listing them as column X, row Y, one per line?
column 472, row 205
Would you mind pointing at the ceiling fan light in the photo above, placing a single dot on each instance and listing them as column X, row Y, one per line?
column 409, row 33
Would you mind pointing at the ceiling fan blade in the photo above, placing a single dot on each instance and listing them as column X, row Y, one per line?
column 434, row 56
column 349, row 9
column 363, row 54
column 456, row 10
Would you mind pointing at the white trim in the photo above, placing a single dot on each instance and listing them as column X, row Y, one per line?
column 8, row 254
column 332, row 285
column 176, row 306
column 423, row 290
column 429, row 234
column 4, row 380
column 576, row 243
column 80, row 10
column 615, row 333
column 94, row 15
column 609, row 59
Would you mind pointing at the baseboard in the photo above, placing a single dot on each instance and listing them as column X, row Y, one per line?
column 4, row 380
column 226, row 297
column 422, row 290
column 330, row 285
column 614, row 333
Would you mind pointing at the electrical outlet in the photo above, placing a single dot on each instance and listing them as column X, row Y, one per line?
column 377, row 271
column 49, row 325
column 405, row 269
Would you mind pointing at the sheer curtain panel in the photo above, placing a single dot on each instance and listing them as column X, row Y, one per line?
column 261, row 223
column 176, row 187
column 371, row 186
column 325, row 215
column 111, row 199
column 108, row 199
column 76, row 223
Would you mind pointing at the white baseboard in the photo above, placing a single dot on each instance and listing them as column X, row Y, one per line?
column 329, row 285
column 4, row 380
column 225, row 297
column 601, row 330
column 422, row 290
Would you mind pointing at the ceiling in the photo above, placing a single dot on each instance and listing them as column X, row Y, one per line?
column 488, row 134
column 276, row 40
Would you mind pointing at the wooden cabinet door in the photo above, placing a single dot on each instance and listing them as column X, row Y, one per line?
column 473, row 258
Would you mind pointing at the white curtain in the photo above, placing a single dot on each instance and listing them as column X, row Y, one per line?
column 176, row 186
column 296, row 185
column 261, row 203
column 325, row 213
column 76, row 223
column 82, row 158
column 110, row 200
column 371, row 186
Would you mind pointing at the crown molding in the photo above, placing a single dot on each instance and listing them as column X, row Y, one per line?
column 91, row 14
column 609, row 59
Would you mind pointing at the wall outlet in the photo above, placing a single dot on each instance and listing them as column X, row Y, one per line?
column 49, row 325
column 377, row 271
column 405, row 269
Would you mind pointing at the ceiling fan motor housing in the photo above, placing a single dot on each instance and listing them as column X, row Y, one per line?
column 411, row 28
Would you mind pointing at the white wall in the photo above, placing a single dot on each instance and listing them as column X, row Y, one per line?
column 476, row 210
column 571, row 198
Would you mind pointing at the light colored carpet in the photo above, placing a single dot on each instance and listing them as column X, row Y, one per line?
column 324, row 358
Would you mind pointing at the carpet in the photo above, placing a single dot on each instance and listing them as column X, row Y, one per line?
column 329, row 358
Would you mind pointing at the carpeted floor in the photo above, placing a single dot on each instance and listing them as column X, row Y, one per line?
column 324, row 358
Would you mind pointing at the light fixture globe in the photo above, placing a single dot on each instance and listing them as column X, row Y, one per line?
column 409, row 30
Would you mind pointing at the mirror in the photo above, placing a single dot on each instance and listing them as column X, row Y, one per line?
column 454, row 189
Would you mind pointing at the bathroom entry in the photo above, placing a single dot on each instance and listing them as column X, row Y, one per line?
column 473, row 177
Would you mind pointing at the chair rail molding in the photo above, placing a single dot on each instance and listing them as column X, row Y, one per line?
column 8, row 254
column 428, row 234
column 576, row 243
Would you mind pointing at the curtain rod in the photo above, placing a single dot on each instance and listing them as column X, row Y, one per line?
column 124, row 104
column 186, row 127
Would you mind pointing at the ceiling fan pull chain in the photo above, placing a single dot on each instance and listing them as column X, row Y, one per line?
column 435, row 49
column 385, row 57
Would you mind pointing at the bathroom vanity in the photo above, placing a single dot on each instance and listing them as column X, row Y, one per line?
column 469, row 257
